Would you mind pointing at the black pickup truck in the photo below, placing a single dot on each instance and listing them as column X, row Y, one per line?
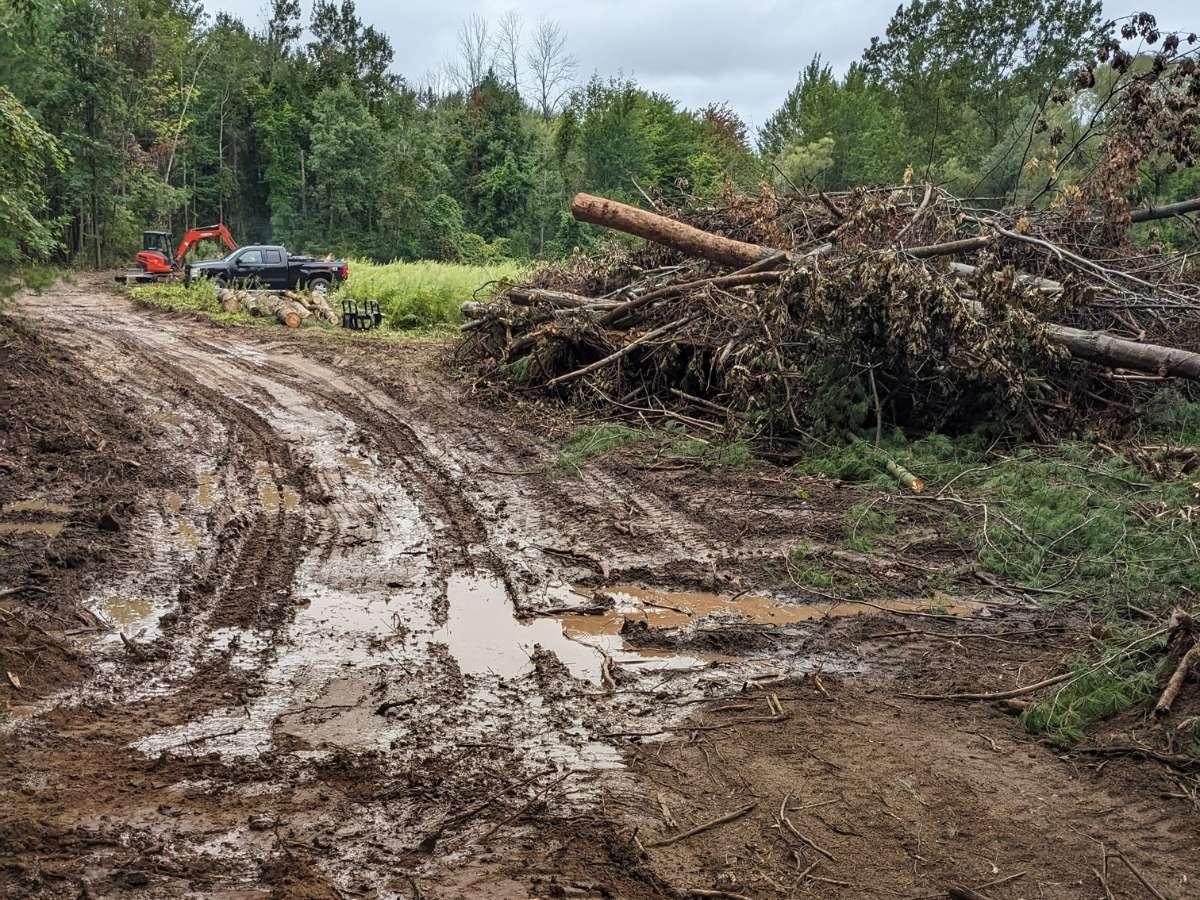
column 272, row 267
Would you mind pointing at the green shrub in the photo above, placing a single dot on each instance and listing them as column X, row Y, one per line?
column 198, row 297
column 867, row 522
column 734, row 454
column 804, row 569
column 1174, row 419
column 1069, row 518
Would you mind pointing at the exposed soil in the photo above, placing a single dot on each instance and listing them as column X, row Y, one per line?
column 324, row 623
column 68, row 484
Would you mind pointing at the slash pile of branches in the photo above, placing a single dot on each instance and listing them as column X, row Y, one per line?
column 832, row 312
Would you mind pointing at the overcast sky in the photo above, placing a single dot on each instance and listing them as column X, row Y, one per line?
column 745, row 52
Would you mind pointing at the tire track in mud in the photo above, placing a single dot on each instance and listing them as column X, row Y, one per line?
column 463, row 543
column 633, row 525
column 253, row 561
column 454, row 733
column 242, row 578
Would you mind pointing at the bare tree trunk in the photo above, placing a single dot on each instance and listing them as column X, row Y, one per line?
column 508, row 47
column 303, row 187
column 221, row 162
column 551, row 67
column 653, row 227
column 187, row 99
column 1164, row 212
column 95, row 215
column 1121, row 353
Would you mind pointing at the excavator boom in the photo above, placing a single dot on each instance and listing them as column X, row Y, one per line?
column 196, row 235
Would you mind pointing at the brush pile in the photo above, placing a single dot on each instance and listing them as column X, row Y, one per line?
column 777, row 316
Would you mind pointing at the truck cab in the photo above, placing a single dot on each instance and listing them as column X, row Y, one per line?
column 267, row 265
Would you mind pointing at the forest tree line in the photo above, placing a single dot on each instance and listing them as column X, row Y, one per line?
column 118, row 115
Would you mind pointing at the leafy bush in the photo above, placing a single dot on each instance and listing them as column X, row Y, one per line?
column 198, row 297
column 422, row 294
column 1174, row 419
column 805, row 570
column 735, row 454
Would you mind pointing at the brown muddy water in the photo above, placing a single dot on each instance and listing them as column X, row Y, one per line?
column 42, row 506
column 49, row 529
column 484, row 635
column 46, row 527
column 661, row 608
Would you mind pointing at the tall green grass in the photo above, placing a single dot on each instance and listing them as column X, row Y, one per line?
column 423, row 294
column 198, row 297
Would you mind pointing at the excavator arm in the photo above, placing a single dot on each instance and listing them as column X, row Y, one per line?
column 195, row 235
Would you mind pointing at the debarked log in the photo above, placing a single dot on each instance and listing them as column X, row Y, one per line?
column 669, row 232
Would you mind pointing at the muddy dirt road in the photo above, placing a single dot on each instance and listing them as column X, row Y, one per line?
column 360, row 643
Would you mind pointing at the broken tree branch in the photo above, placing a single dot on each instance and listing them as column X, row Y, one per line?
column 632, row 345
column 711, row 823
column 1166, row 211
column 1187, row 663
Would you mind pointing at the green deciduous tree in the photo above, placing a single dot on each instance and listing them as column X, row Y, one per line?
column 28, row 155
column 345, row 168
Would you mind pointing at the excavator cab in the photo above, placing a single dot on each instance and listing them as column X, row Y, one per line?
column 157, row 260
column 157, row 240
column 156, row 254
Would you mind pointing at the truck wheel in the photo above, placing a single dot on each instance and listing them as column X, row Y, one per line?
column 319, row 285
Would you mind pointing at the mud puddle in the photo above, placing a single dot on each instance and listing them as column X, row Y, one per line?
column 271, row 495
column 39, row 506
column 484, row 635
column 661, row 608
column 48, row 529
column 126, row 612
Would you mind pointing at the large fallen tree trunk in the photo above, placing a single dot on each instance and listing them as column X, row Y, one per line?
column 713, row 247
column 1120, row 353
column 653, row 227
column 1095, row 346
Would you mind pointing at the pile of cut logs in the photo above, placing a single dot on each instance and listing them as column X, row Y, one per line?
column 289, row 307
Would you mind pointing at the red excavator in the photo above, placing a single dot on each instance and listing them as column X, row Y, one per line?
column 154, row 260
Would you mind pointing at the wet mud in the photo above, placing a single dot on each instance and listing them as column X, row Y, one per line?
column 344, row 651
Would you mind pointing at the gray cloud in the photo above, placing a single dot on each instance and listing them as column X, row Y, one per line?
column 744, row 52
